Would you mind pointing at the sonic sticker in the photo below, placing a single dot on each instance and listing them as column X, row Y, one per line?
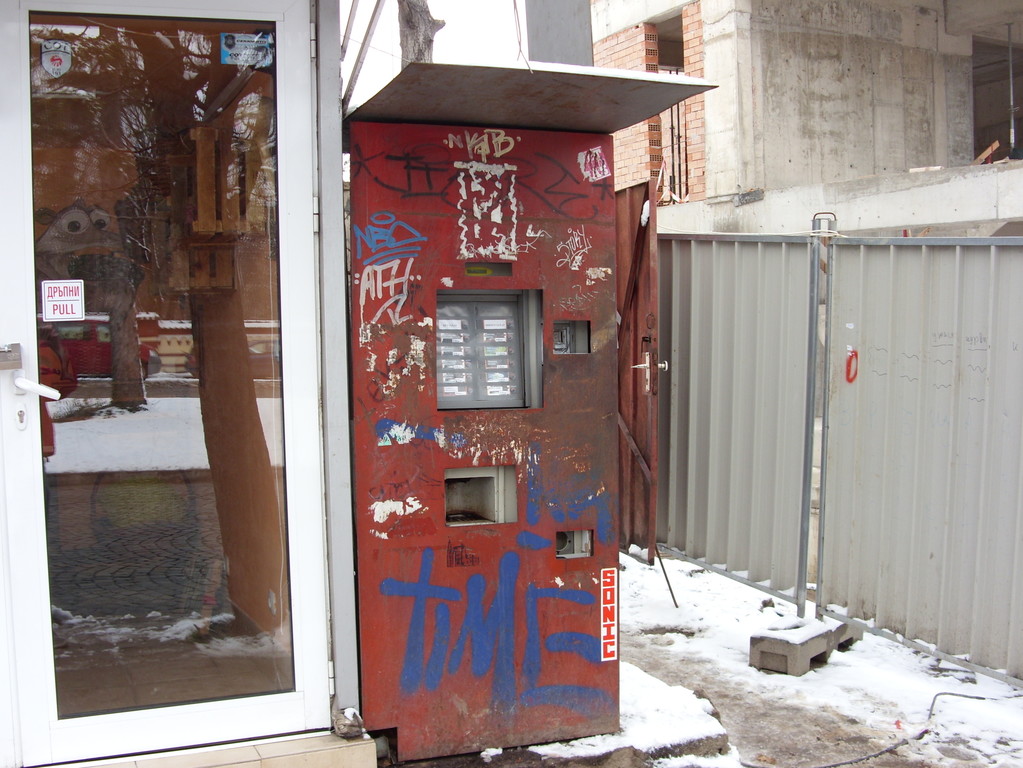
column 608, row 614
column 56, row 57
column 244, row 50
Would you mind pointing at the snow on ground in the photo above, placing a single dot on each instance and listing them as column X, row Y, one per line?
column 167, row 434
column 89, row 635
column 650, row 711
column 876, row 681
column 115, row 630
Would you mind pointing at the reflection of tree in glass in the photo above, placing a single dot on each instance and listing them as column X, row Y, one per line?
column 179, row 149
column 113, row 133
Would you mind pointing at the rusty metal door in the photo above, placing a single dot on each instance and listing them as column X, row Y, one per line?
column 639, row 366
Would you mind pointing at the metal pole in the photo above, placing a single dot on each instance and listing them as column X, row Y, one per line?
column 825, row 424
column 361, row 58
column 348, row 28
column 1012, row 99
column 336, row 447
column 665, row 572
column 809, row 414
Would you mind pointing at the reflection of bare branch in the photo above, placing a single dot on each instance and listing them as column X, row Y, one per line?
column 198, row 44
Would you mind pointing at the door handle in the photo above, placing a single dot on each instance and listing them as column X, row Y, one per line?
column 648, row 365
column 661, row 366
column 23, row 385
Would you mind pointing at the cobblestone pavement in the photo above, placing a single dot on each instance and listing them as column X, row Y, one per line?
column 133, row 543
column 141, row 611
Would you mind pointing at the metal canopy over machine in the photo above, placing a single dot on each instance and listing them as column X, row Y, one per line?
column 547, row 97
column 485, row 354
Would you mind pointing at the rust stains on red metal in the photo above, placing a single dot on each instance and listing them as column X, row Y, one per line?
column 483, row 260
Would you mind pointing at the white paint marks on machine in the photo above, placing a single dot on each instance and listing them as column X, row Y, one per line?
column 488, row 211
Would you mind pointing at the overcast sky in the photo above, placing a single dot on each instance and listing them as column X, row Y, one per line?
column 475, row 32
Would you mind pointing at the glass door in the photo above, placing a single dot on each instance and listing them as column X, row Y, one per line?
column 162, row 311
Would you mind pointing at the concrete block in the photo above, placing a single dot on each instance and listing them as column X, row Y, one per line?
column 846, row 635
column 790, row 646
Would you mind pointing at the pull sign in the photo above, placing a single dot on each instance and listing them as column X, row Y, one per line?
column 608, row 614
column 63, row 300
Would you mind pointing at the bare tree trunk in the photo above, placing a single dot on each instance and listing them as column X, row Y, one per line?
column 127, row 389
column 416, row 29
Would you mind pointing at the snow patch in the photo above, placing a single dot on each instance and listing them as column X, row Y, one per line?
column 650, row 711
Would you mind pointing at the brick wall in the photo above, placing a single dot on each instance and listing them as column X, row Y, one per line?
column 637, row 149
column 643, row 150
column 696, row 148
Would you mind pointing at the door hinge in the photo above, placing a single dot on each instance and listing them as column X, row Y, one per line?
column 312, row 40
column 316, row 215
column 330, row 677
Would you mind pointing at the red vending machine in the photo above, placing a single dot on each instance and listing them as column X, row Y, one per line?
column 485, row 428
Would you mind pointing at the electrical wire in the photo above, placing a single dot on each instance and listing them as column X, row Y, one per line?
column 930, row 712
column 376, row 49
column 905, row 741
column 518, row 35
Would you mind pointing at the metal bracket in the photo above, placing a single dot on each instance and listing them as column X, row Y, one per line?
column 10, row 357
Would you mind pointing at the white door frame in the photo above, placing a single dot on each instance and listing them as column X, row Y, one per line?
column 30, row 732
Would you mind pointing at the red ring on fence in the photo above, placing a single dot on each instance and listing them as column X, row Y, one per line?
column 852, row 366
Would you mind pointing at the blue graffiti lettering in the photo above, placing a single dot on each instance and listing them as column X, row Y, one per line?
column 531, row 664
column 597, row 500
column 386, row 239
column 562, row 509
column 412, row 671
column 441, row 637
column 488, row 633
column 578, row 643
column 589, row 701
column 534, row 496
column 530, row 540
column 390, row 431
column 492, row 631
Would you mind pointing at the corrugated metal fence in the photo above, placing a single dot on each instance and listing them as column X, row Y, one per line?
column 922, row 518
column 737, row 418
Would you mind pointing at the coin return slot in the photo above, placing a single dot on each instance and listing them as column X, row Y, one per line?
column 572, row 337
column 572, row 544
column 480, row 495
